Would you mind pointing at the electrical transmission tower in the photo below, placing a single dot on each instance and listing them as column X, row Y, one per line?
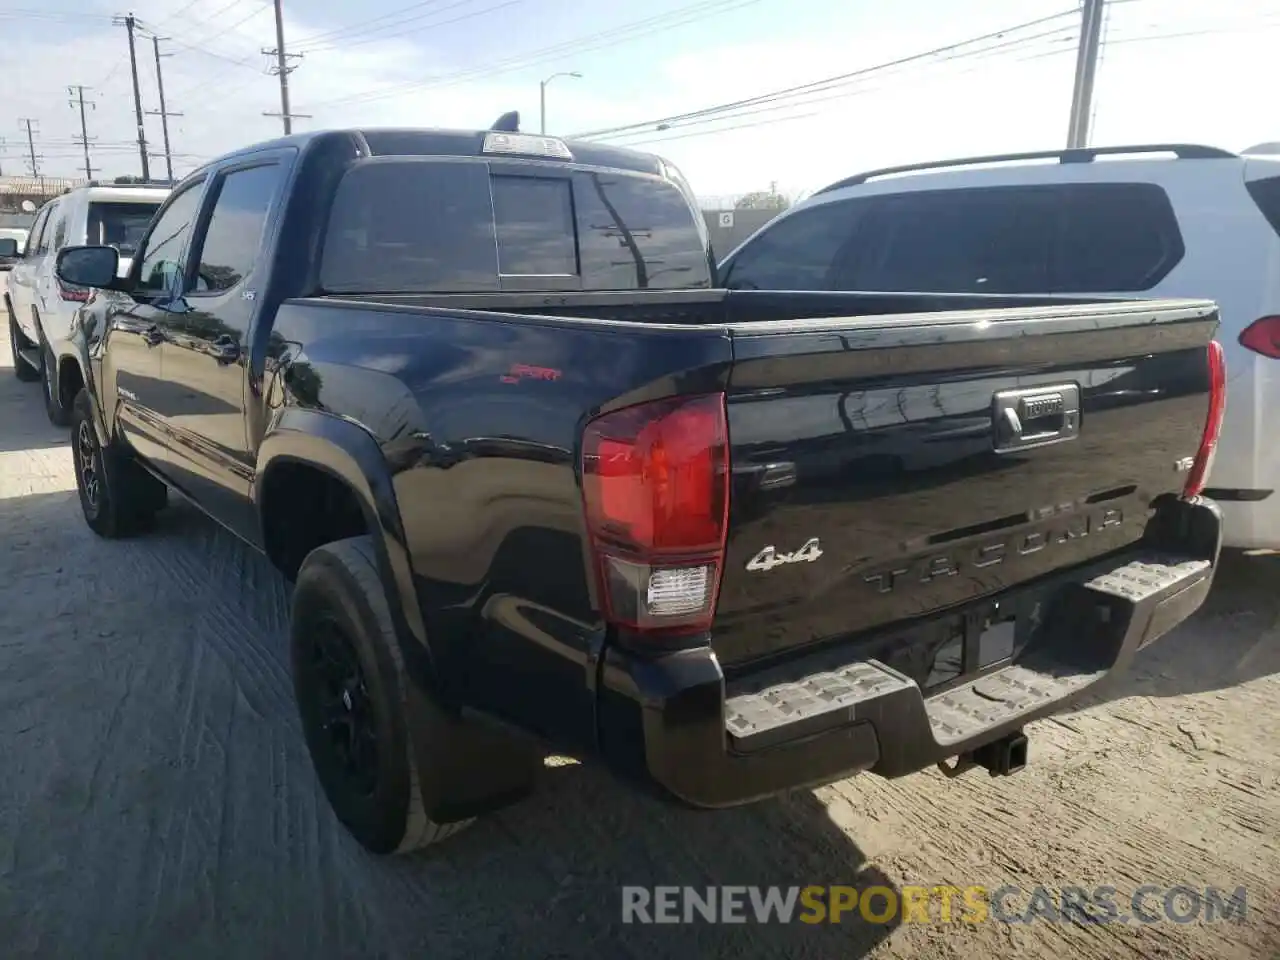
column 77, row 92
column 34, row 161
column 163, row 113
column 130, row 24
column 282, row 70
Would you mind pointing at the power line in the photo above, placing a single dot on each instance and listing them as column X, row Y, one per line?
column 826, row 82
column 359, row 25
column 78, row 93
column 345, row 41
column 823, row 95
column 201, row 44
column 647, row 26
column 181, row 10
column 736, row 126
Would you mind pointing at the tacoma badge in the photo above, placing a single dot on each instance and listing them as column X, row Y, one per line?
column 768, row 558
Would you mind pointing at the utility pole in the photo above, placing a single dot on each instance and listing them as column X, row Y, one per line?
column 130, row 24
column 282, row 70
column 78, row 93
column 31, row 146
column 1086, row 69
column 163, row 112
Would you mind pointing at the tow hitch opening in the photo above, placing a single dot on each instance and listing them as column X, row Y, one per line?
column 1001, row 757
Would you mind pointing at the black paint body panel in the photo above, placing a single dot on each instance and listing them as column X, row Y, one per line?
column 863, row 420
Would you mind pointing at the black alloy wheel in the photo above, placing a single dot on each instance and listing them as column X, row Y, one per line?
column 89, row 466
column 345, row 707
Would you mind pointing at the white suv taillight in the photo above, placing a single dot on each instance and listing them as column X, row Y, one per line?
column 1213, row 422
column 72, row 294
column 655, row 486
column 1263, row 336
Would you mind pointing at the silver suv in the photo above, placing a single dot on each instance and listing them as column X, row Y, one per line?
column 40, row 307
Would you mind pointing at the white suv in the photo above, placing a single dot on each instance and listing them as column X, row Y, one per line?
column 1150, row 221
column 40, row 307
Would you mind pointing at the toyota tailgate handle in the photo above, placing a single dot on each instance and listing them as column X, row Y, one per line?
column 1035, row 416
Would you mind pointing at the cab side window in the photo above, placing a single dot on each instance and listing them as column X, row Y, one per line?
column 164, row 251
column 59, row 229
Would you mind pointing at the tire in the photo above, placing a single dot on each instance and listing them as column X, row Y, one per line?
column 21, row 369
column 59, row 415
column 342, row 637
column 118, row 498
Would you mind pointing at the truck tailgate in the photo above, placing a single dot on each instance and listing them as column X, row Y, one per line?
column 889, row 468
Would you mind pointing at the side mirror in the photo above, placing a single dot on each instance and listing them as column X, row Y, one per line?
column 9, row 247
column 88, row 267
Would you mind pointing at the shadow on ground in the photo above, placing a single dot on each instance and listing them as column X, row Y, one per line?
column 25, row 426
column 158, row 799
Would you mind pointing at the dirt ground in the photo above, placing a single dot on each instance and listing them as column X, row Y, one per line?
column 156, row 799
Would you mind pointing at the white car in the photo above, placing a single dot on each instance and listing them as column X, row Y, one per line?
column 19, row 236
column 40, row 307
column 1149, row 221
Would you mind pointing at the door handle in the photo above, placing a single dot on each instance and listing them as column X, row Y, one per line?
column 1036, row 416
column 153, row 335
column 225, row 349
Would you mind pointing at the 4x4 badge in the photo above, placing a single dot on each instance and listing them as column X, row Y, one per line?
column 768, row 558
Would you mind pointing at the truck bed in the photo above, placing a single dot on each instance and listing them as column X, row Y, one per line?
column 861, row 421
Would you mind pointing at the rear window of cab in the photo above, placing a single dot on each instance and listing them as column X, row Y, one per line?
column 442, row 225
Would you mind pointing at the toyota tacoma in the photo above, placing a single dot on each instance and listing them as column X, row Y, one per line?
column 543, row 487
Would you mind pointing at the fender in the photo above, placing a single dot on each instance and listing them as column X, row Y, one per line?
column 79, row 344
column 349, row 453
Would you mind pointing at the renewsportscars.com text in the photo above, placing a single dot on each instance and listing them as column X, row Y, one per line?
column 933, row 904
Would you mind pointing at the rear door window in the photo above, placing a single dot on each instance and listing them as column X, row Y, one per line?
column 119, row 224
column 1266, row 194
column 233, row 237
column 797, row 251
column 1114, row 237
column 963, row 241
column 1057, row 238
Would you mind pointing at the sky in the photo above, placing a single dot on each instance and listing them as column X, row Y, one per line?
column 1171, row 70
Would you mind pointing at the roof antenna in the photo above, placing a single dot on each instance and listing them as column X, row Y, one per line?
column 508, row 123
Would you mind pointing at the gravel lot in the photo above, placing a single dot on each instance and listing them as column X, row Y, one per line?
column 157, row 800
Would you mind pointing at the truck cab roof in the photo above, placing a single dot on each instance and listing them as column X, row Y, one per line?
column 412, row 141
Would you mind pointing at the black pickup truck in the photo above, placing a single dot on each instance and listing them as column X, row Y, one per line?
column 542, row 487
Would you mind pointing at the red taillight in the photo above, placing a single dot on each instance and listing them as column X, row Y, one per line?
column 76, row 294
column 655, row 483
column 1212, row 424
column 1263, row 336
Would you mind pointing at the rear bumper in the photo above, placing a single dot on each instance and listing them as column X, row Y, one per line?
column 673, row 722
